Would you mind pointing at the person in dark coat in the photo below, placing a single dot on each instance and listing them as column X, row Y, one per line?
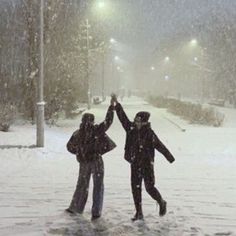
column 86, row 143
column 141, row 142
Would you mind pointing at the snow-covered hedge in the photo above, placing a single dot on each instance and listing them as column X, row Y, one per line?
column 7, row 116
column 194, row 113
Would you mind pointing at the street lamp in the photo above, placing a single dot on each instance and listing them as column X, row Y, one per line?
column 167, row 77
column 116, row 60
column 100, row 7
column 87, row 64
column 152, row 68
column 40, row 85
column 193, row 42
column 112, row 41
column 101, row 4
column 167, row 59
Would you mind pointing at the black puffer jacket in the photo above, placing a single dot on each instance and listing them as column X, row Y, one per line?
column 86, row 142
column 141, row 144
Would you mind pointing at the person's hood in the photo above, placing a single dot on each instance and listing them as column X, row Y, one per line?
column 142, row 116
column 88, row 118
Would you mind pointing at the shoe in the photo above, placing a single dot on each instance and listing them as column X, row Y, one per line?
column 94, row 217
column 137, row 216
column 68, row 210
column 162, row 210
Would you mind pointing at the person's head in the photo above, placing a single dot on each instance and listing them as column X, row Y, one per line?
column 141, row 119
column 87, row 120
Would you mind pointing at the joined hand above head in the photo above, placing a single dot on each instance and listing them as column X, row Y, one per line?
column 113, row 99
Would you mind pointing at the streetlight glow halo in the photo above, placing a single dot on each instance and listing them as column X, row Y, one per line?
column 101, row 4
column 193, row 42
column 167, row 59
column 112, row 40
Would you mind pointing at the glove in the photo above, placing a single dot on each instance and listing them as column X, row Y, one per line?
column 113, row 99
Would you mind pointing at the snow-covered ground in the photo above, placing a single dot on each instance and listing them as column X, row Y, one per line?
column 36, row 185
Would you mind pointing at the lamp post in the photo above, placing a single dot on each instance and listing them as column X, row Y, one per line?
column 87, row 65
column 99, row 5
column 41, row 103
column 103, row 75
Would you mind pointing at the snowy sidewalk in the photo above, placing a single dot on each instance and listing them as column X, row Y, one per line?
column 37, row 184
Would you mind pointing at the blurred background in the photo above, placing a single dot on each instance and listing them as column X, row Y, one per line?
column 182, row 49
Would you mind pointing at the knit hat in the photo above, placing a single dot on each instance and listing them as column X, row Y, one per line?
column 88, row 118
column 142, row 116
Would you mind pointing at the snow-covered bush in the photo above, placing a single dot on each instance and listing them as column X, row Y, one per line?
column 7, row 116
column 194, row 113
column 219, row 119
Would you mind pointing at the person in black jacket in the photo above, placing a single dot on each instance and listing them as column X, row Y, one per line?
column 141, row 142
column 87, row 144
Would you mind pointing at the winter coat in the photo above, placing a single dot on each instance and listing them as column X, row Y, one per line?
column 91, row 142
column 141, row 144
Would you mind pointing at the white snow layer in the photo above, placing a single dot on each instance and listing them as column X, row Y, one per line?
column 37, row 184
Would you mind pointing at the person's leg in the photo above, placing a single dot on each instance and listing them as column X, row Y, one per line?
column 136, row 184
column 149, row 180
column 98, row 187
column 81, row 193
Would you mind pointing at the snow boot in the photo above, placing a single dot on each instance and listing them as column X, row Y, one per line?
column 138, row 216
column 162, row 210
column 95, row 217
column 69, row 211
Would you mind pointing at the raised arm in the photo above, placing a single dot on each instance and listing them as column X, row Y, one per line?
column 105, row 125
column 126, row 123
column 162, row 148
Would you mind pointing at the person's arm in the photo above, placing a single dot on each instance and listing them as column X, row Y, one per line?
column 72, row 145
column 126, row 123
column 162, row 148
column 105, row 125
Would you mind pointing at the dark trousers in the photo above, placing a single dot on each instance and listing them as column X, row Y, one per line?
column 96, row 168
column 138, row 173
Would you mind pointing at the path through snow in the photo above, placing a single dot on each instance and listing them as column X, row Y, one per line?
column 37, row 184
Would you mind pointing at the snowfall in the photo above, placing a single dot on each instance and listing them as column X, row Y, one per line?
column 200, row 186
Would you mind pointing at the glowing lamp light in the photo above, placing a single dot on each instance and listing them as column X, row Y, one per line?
column 112, row 40
column 167, row 59
column 101, row 4
column 167, row 77
column 193, row 42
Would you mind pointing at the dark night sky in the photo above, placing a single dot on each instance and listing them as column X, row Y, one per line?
column 141, row 24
